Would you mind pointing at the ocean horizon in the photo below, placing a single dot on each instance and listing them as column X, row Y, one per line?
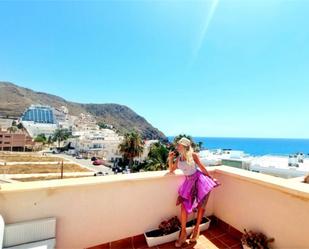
column 255, row 146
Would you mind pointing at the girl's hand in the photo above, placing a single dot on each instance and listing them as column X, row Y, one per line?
column 171, row 155
column 216, row 181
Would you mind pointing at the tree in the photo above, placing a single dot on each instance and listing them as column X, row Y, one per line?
column 61, row 135
column 20, row 126
column 49, row 140
column 157, row 157
column 131, row 147
column 199, row 146
column 41, row 138
column 12, row 129
column 102, row 125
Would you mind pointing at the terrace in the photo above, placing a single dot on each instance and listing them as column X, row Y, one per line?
column 114, row 211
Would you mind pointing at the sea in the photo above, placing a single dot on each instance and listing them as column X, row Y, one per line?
column 256, row 146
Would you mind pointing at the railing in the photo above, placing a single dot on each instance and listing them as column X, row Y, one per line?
column 95, row 210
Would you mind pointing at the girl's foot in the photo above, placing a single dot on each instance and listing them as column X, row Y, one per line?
column 181, row 240
column 195, row 235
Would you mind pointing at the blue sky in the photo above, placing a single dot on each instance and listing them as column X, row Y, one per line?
column 206, row 68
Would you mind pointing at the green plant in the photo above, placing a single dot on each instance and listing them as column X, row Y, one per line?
column 61, row 135
column 131, row 147
column 41, row 138
column 256, row 240
column 157, row 157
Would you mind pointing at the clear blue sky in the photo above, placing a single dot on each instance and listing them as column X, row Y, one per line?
column 206, row 68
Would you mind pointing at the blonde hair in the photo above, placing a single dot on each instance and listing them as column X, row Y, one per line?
column 188, row 154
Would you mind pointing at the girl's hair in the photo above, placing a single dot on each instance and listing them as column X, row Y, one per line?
column 188, row 154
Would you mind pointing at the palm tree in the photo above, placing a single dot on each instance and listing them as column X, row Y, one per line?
column 132, row 146
column 61, row 135
column 157, row 157
column 49, row 140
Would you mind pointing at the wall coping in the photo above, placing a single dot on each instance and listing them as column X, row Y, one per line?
column 296, row 189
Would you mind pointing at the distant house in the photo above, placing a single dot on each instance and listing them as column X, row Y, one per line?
column 15, row 141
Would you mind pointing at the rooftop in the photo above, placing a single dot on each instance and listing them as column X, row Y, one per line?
column 111, row 210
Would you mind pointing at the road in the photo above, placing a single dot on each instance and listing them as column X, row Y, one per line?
column 86, row 163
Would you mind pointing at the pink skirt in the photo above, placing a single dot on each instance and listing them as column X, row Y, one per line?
column 194, row 190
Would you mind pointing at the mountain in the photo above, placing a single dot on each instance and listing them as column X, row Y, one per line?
column 15, row 99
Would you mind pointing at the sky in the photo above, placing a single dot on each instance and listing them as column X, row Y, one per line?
column 216, row 68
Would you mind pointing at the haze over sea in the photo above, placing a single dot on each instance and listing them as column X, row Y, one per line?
column 255, row 146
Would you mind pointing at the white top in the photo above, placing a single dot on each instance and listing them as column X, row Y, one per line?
column 187, row 168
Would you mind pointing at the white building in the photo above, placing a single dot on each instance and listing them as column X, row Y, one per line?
column 102, row 142
column 34, row 129
column 147, row 146
column 39, row 119
column 281, row 166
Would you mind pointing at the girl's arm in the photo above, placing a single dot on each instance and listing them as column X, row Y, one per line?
column 201, row 166
column 172, row 166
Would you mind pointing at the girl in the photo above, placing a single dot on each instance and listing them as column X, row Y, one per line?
column 194, row 192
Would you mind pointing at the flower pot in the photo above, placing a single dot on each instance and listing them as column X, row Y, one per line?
column 203, row 226
column 154, row 237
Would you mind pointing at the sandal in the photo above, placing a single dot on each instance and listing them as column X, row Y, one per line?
column 180, row 241
column 194, row 238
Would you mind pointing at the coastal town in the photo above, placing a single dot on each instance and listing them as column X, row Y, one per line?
column 45, row 136
column 48, row 143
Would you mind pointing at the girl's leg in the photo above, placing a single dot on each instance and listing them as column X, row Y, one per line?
column 183, row 234
column 200, row 214
column 184, row 216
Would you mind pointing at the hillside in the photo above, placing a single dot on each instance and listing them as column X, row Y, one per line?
column 15, row 99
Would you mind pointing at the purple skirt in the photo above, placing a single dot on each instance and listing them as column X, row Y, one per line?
column 194, row 190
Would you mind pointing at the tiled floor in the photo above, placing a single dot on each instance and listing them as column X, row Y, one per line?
column 219, row 235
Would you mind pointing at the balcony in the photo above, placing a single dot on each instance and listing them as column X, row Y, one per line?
column 97, row 210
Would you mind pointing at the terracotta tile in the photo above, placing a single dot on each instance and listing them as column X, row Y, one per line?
column 238, row 246
column 167, row 245
column 139, row 242
column 235, row 233
column 219, row 244
column 207, row 234
column 228, row 240
column 213, row 221
column 216, row 232
column 103, row 246
column 171, row 245
column 122, row 244
column 195, row 246
column 190, row 245
column 223, row 225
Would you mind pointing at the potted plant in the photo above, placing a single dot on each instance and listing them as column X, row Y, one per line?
column 203, row 226
column 169, row 230
column 255, row 240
